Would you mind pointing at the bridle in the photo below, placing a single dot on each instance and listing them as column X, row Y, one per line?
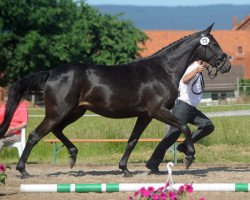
column 218, row 64
column 218, row 60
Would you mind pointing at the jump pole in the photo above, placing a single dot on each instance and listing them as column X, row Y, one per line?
column 131, row 187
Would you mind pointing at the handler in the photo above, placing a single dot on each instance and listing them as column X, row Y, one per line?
column 191, row 88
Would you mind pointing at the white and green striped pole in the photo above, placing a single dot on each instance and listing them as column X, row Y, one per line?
column 131, row 187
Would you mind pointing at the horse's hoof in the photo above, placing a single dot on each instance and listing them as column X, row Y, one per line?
column 127, row 173
column 153, row 167
column 150, row 172
column 188, row 160
column 72, row 162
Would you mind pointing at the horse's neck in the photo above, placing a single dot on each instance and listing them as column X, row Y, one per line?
column 175, row 62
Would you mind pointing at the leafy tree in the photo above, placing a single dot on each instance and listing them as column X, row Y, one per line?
column 42, row 34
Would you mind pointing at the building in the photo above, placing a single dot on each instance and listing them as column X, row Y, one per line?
column 243, row 25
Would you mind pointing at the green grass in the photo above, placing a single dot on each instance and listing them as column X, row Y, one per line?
column 229, row 143
column 219, row 108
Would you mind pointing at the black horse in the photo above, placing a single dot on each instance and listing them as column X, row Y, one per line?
column 145, row 88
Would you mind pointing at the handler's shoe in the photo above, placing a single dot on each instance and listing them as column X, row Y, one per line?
column 153, row 168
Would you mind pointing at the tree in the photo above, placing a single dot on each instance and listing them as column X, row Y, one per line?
column 43, row 34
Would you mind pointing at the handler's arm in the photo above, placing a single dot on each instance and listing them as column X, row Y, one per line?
column 16, row 128
column 190, row 75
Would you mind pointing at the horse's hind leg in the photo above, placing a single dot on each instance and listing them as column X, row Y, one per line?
column 140, row 126
column 164, row 115
column 43, row 129
column 72, row 117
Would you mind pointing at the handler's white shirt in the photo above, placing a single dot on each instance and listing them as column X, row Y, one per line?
column 185, row 90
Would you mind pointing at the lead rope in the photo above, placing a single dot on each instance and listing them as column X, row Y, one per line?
column 202, row 84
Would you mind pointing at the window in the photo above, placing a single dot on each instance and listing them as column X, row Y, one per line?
column 240, row 50
column 215, row 96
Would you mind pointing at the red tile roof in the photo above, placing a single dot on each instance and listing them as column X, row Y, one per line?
column 229, row 41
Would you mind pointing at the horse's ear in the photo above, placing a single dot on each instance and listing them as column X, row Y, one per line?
column 210, row 27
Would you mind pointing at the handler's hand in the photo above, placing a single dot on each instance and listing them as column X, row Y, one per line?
column 9, row 131
column 201, row 67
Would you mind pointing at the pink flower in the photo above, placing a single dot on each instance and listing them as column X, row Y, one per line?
column 160, row 189
column 151, row 189
column 189, row 188
column 163, row 196
column 141, row 190
column 181, row 189
column 136, row 193
column 172, row 195
column 156, row 197
column 167, row 194
column 2, row 168
column 146, row 193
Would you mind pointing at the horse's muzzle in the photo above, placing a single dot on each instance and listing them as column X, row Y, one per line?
column 225, row 67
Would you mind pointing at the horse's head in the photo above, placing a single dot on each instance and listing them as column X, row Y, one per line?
column 210, row 51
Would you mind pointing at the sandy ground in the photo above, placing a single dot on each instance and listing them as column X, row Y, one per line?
column 89, row 173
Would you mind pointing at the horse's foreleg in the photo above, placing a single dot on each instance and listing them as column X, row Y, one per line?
column 140, row 126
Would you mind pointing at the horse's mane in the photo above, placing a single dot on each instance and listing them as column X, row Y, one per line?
column 160, row 51
column 171, row 44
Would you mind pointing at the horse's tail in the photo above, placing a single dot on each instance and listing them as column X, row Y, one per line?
column 32, row 82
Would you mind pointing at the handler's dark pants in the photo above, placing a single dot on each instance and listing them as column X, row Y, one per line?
column 186, row 114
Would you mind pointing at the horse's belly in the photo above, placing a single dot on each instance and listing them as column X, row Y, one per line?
column 116, row 113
